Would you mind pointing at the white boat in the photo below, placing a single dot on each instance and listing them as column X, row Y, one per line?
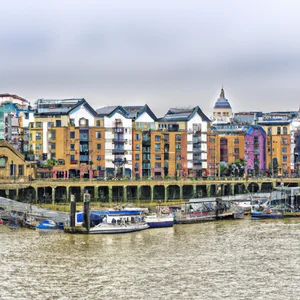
column 158, row 221
column 110, row 228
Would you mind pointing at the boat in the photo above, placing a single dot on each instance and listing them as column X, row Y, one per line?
column 158, row 221
column 258, row 215
column 206, row 209
column 283, row 203
column 118, row 226
column 48, row 225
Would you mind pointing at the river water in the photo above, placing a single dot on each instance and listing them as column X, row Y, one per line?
column 240, row 259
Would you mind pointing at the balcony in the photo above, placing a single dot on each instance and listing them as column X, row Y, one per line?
column 118, row 151
column 146, row 166
column 74, row 162
column 119, row 140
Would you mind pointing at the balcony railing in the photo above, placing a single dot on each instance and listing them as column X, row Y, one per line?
column 118, row 151
column 119, row 141
column 74, row 162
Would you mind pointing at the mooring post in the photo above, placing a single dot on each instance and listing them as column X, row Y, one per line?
column 86, row 210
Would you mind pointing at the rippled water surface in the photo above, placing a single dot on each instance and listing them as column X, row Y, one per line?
column 217, row 260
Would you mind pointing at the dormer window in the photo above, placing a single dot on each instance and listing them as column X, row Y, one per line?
column 83, row 122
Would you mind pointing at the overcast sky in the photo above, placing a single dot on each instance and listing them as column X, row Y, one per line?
column 163, row 53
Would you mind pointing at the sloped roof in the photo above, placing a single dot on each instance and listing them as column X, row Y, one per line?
column 136, row 111
column 183, row 115
column 87, row 106
column 254, row 128
column 13, row 96
column 108, row 111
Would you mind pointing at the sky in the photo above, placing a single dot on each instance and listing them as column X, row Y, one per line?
column 163, row 53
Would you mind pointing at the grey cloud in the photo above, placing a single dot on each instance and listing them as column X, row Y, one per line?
column 169, row 53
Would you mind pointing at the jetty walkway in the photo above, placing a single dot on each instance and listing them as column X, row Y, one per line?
column 60, row 190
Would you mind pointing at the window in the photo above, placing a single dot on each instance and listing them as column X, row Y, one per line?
column 98, row 146
column 83, row 122
column 284, row 149
column 53, row 134
column 52, row 155
column 278, row 130
column 53, row 146
column 236, row 150
column 58, row 123
column 137, row 147
column 26, row 115
column 236, row 141
column 50, row 124
column 137, row 157
column 61, row 162
column 98, row 135
column 166, row 137
column 157, row 138
column 137, row 137
column 72, row 158
column 284, row 158
column 211, row 140
column 269, row 130
column 38, row 124
column 38, row 136
column 178, row 146
column 157, row 165
column 157, row 157
column 285, row 130
column 72, row 135
column 98, row 157
column 178, row 157
column 178, row 137
column 72, row 147
column 157, row 147
column 21, row 170
column 98, row 123
column 3, row 162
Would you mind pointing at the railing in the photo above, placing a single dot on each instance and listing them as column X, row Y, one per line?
column 116, row 151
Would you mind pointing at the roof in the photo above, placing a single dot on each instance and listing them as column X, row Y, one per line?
column 274, row 122
column 13, row 96
column 254, row 128
column 139, row 110
column 87, row 106
column 130, row 112
column 108, row 111
column 222, row 102
column 57, row 106
column 183, row 115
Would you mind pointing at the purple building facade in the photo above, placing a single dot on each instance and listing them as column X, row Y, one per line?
column 255, row 150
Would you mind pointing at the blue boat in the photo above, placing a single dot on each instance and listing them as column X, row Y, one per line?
column 49, row 225
column 257, row 215
column 157, row 221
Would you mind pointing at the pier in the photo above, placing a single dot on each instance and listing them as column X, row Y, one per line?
column 60, row 191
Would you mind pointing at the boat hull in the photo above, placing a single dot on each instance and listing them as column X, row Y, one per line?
column 263, row 215
column 116, row 229
column 160, row 224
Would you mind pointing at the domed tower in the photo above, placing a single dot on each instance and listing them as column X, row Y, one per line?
column 222, row 111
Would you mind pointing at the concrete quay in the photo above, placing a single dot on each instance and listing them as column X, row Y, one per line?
column 60, row 191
